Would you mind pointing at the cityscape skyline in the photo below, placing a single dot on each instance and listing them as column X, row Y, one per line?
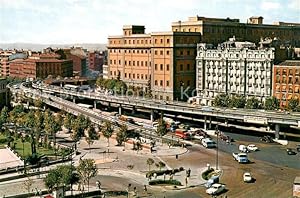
column 91, row 21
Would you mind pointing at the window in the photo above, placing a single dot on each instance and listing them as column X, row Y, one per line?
column 115, row 62
column 138, row 76
column 125, row 62
column 155, row 82
column 181, row 67
column 168, row 67
column 142, row 76
column 161, row 67
column 155, row 67
column 167, row 98
column 168, row 52
column 111, row 73
column 119, row 62
column 161, row 52
column 155, row 96
column 161, row 83
column 146, row 63
column 146, row 76
column 129, row 63
column 188, row 52
column 125, row 75
column 142, row 63
column 188, row 66
column 133, row 63
column 155, row 52
column 110, row 61
column 133, row 42
column 115, row 73
column 129, row 75
column 138, row 63
column 161, row 41
column 133, row 75
column 161, row 97
column 168, row 41
column 181, row 52
column 155, row 41
column 168, row 83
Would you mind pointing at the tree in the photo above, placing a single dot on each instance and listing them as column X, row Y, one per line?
column 79, row 125
column 30, row 123
column 3, row 116
column 120, row 87
column 60, row 176
column 293, row 104
column 150, row 161
column 91, row 136
column 160, row 165
column 122, row 135
column 237, row 101
column 107, row 131
column 221, row 100
column 161, row 128
column 271, row 103
column 252, row 103
column 68, row 119
column 86, row 170
column 148, row 89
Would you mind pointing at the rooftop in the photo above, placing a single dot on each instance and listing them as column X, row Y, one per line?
column 290, row 63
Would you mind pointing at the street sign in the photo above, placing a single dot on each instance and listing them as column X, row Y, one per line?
column 255, row 120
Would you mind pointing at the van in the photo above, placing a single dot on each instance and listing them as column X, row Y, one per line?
column 243, row 148
column 208, row 143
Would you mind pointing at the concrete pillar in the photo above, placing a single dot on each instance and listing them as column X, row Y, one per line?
column 95, row 104
column 277, row 128
column 120, row 110
column 133, row 110
column 152, row 116
column 205, row 118
column 209, row 126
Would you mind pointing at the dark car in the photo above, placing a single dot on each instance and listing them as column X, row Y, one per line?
column 290, row 151
column 267, row 139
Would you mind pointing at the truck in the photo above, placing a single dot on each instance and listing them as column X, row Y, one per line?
column 240, row 157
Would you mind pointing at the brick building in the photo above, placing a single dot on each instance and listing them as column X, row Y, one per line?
column 40, row 68
column 78, row 56
column 167, row 59
column 218, row 30
column 286, row 81
column 96, row 60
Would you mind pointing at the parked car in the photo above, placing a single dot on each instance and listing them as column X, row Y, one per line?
column 267, row 139
column 243, row 148
column 247, row 177
column 290, row 151
column 208, row 143
column 215, row 189
column 252, row 147
column 211, row 181
column 240, row 157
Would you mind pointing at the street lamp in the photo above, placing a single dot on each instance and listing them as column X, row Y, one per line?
column 217, row 154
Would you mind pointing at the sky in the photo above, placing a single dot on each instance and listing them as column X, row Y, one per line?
column 92, row 21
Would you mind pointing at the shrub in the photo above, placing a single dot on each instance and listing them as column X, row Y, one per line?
column 167, row 182
column 162, row 172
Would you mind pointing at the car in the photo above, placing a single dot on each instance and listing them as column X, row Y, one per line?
column 247, row 177
column 252, row 147
column 267, row 139
column 215, row 189
column 290, row 151
column 243, row 148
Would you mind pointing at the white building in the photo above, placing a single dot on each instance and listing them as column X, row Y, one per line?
column 105, row 71
column 233, row 68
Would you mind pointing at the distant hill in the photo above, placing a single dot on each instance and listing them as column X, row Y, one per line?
column 39, row 47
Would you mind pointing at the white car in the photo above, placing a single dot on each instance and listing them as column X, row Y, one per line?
column 252, row 147
column 247, row 177
column 215, row 189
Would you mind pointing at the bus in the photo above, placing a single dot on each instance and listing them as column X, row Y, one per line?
column 85, row 105
column 71, row 87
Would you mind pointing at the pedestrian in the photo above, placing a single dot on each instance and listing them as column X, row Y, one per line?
column 176, row 156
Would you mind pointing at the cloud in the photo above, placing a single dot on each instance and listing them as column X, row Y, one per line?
column 268, row 5
column 294, row 4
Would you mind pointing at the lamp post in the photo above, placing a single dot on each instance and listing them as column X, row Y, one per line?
column 217, row 154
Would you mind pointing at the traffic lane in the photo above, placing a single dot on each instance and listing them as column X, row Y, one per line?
column 272, row 153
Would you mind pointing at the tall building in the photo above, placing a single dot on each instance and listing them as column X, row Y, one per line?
column 5, row 58
column 286, row 81
column 40, row 67
column 96, row 60
column 79, row 58
column 218, row 30
column 166, row 59
column 3, row 93
column 234, row 68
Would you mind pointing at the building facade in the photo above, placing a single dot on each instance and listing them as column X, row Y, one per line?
column 96, row 60
column 79, row 58
column 218, row 30
column 286, row 81
column 235, row 68
column 166, row 59
column 3, row 93
column 40, row 68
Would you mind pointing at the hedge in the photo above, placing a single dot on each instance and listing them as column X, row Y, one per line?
column 168, row 182
column 162, row 172
column 206, row 174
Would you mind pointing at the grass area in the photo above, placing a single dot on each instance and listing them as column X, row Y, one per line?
column 27, row 147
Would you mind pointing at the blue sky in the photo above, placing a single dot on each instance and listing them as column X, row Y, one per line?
column 91, row 21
